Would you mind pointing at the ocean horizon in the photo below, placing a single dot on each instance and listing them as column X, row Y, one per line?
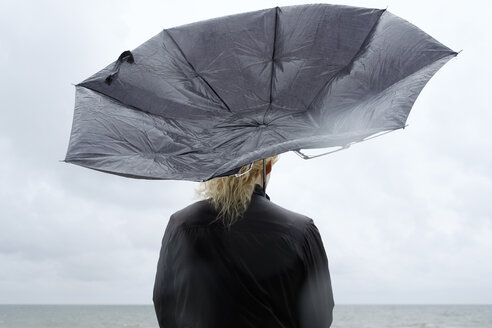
column 345, row 316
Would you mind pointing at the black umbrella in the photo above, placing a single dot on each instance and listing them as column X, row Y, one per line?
column 202, row 100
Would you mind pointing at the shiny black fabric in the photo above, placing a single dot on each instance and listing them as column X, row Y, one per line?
column 200, row 100
column 270, row 270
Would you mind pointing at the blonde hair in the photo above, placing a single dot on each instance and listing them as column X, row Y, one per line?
column 230, row 196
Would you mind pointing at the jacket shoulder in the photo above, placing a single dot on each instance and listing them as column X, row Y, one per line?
column 289, row 215
column 192, row 212
column 278, row 217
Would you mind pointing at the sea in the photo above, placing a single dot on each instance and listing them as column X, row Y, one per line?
column 345, row 316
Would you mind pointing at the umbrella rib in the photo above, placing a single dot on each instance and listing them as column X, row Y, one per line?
column 273, row 63
column 193, row 68
column 368, row 36
column 273, row 52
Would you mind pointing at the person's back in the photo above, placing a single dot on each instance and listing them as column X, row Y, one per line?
column 268, row 269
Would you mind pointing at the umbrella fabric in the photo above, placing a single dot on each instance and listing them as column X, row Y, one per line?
column 200, row 100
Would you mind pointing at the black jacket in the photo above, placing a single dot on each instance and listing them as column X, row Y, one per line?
column 269, row 270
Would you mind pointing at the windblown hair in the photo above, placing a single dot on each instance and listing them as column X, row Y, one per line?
column 230, row 196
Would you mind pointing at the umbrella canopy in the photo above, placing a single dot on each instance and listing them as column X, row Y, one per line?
column 203, row 99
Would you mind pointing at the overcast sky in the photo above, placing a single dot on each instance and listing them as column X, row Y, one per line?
column 405, row 217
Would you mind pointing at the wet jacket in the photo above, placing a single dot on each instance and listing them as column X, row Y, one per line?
column 270, row 270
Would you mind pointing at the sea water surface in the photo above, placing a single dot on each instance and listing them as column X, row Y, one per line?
column 345, row 316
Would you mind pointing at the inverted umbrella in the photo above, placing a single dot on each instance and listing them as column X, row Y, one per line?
column 201, row 100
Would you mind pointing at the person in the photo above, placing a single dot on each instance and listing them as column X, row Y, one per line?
column 236, row 259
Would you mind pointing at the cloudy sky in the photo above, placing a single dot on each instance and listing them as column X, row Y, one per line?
column 405, row 217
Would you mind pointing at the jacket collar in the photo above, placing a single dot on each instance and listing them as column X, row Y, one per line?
column 259, row 191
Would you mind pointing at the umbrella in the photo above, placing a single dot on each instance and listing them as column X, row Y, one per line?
column 201, row 100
